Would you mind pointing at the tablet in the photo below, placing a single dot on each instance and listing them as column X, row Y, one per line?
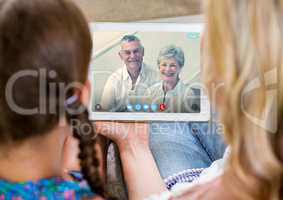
column 147, row 72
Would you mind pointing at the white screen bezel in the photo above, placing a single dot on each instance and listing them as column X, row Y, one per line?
column 204, row 114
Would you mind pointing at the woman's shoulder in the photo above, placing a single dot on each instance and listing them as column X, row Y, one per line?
column 212, row 190
column 203, row 191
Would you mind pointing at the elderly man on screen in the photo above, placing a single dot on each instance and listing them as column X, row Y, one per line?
column 131, row 80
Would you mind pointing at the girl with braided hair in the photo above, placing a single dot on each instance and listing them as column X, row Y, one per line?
column 45, row 49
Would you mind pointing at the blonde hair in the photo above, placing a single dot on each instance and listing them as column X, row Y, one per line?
column 243, row 49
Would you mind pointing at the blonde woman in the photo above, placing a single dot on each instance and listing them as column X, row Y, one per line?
column 243, row 51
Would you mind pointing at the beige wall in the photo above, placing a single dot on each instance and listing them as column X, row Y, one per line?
column 132, row 10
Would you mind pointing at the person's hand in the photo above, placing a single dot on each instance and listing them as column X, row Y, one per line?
column 124, row 134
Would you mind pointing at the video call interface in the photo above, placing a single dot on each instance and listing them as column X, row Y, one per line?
column 146, row 72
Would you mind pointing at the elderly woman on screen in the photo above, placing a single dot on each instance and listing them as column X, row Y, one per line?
column 171, row 93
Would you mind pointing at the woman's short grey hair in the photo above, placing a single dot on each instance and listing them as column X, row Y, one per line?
column 172, row 51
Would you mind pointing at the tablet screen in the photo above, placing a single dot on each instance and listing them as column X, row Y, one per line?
column 147, row 72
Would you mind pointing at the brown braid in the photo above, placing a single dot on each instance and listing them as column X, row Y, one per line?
column 88, row 157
